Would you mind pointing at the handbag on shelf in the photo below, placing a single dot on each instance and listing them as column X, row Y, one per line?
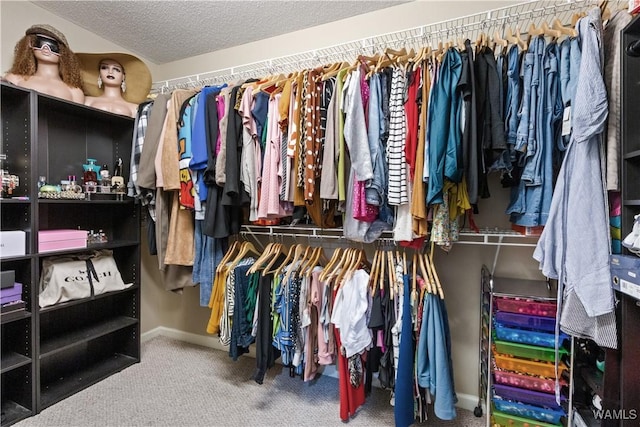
column 67, row 278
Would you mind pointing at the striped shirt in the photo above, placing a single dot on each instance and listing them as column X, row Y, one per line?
column 396, row 160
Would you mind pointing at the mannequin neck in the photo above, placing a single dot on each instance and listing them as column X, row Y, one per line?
column 48, row 70
column 112, row 92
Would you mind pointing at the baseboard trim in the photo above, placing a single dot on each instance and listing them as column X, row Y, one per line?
column 465, row 401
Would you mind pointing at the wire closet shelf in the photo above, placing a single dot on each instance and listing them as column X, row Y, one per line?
column 470, row 26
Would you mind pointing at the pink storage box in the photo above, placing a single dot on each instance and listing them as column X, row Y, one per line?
column 14, row 293
column 526, row 306
column 58, row 240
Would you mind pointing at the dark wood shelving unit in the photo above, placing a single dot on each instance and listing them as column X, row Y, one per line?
column 51, row 353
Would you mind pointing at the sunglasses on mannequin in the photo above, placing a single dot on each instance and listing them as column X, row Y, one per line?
column 51, row 44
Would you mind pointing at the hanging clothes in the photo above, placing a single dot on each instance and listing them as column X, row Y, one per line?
column 434, row 366
column 403, row 408
column 574, row 245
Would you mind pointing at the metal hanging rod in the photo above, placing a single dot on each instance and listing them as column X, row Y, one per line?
column 486, row 237
column 470, row 26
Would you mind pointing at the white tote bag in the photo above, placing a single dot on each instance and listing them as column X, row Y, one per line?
column 75, row 277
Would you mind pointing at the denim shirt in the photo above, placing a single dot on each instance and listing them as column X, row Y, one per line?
column 574, row 246
column 375, row 191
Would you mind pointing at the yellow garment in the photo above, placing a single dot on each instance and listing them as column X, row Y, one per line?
column 216, row 301
column 458, row 198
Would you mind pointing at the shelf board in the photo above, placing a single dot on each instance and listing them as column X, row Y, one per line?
column 14, row 202
column 80, row 379
column 632, row 155
column 13, row 412
column 15, row 258
column 66, row 304
column 108, row 245
column 631, row 202
column 84, row 334
column 13, row 316
column 125, row 201
column 12, row 360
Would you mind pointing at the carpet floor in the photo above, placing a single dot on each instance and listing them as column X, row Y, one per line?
column 181, row 384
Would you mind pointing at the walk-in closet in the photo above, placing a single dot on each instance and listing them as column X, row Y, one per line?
column 320, row 213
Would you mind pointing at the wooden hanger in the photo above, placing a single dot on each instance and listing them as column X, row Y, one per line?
column 432, row 270
column 225, row 259
column 514, row 38
column 499, row 41
column 340, row 66
column 392, row 274
column 341, row 270
column 261, row 259
column 245, row 249
column 567, row 31
column 549, row 32
column 373, row 275
column 532, row 32
column 327, row 269
column 425, row 273
column 382, row 261
column 414, row 273
column 605, row 12
column 280, row 267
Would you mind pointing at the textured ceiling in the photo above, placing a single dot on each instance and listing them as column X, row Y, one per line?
column 166, row 31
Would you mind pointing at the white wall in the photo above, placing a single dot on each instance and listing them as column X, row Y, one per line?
column 459, row 270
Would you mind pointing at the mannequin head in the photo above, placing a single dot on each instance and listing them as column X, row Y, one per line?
column 111, row 74
column 102, row 73
column 39, row 46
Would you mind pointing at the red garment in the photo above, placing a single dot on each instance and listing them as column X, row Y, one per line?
column 412, row 113
column 351, row 398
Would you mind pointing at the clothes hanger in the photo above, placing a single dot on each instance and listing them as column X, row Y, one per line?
column 327, row 269
column 550, row 32
column 341, row 66
column 392, row 274
column 298, row 255
column 414, row 273
column 277, row 250
column 261, row 259
column 245, row 248
column 278, row 269
column 499, row 41
column 374, row 270
column 341, row 268
column 516, row 39
column 312, row 262
column 382, row 261
column 567, row 31
column 225, row 259
column 425, row 274
column 604, row 10
column 432, row 269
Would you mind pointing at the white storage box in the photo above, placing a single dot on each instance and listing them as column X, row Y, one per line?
column 13, row 243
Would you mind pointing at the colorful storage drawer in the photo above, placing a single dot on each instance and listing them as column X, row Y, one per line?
column 551, row 416
column 514, row 379
column 526, row 306
column 528, row 351
column 527, row 321
column 524, row 336
column 527, row 396
column 543, row 369
column 506, row 420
